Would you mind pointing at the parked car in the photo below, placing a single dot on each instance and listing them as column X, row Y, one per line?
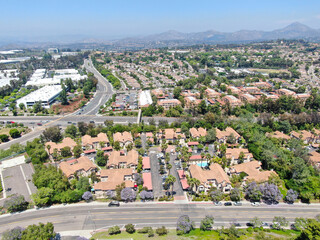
column 39, row 124
column 218, row 203
column 228, row 203
column 237, row 224
column 91, row 121
column 114, row 204
column 255, row 204
column 249, row 224
column 237, row 204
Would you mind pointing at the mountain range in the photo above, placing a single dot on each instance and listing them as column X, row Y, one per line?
column 295, row 30
column 172, row 38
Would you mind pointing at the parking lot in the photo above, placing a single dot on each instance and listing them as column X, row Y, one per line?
column 18, row 180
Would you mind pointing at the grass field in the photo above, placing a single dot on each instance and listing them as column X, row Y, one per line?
column 200, row 235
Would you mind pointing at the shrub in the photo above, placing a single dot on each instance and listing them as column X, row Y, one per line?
column 144, row 230
column 216, row 196
column 14, row 133
column 270, row 193
column 184, row 225
column 291, row 196
column 15, row 203
column 161, row 231
column 144, row 195
column 127, row 194
column 130, row 228
column 206, row 223
column 4, row 138
column 150, row 233
column 87, row 196
column 114, row 230
column 13, row 234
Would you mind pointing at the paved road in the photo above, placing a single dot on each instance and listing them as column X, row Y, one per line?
column 103, row 93
column 64, row 121
column 97, row 216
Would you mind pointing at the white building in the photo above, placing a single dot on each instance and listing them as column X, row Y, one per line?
column 7, row 75
column 39, row 77
column 145, row 98
column 46, row 95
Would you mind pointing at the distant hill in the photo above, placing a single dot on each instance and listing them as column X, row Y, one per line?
column 293, row 31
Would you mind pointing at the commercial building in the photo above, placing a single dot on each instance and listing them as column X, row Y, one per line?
column 145, row 98
column 45, row 95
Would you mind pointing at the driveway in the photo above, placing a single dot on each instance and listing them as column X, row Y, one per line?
column 156, row 177
column 177, row 188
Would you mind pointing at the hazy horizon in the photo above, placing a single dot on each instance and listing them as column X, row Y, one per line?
column 108, row 20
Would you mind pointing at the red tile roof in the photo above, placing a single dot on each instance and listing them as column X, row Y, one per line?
column 147, row 181
column 146, row 162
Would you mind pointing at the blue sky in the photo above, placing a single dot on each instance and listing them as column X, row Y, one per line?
column 111, row 19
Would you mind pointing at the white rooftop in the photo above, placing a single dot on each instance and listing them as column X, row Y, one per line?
column 145, row 98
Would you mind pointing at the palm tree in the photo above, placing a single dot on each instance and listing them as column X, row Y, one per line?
column 208, row 157
column 202, row 157
column 170, row 180
column 169, row 166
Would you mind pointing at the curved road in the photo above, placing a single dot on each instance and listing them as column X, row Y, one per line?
column 95, row 216
column 103, row 93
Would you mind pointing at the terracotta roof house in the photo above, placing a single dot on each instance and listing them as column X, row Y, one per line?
column 118, row 159
column 252, row 170
column 246, row 97
column 222, row 136
column 191, row 102
column 147, row 180
column 284, row 91
column 196, row 133
column 171, row 135
column 214, row 177
column 123, row 138
column 83, row 166
column 210, row 93
column 278, row 135
column 66, row 142
column 146, row 163
column 305, row 136
column 94, row 142
column 232, row 100
column 234, row 153
column 168, row 103
column 183, row 179
column 111, row 178
column 315, row 158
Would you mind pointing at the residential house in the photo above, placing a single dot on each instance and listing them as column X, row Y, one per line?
column 66, row 142
column 111, row 178
column 247, row 98
column 214, row 177
column 222, row 136
column 146, row 163
column 89, row 142
column 232, row 101
column 210, row 93
column 147, row 180
column 315, row 158
column 284, row 91
column 118, row 159
column 190, row 102
column 278, row 135
column 171, row 134
column 183, row 179
column 168, row 103
column 252, row 171
column 124, row 138
column 82, row 166
column 234, row 155
column 196, row 133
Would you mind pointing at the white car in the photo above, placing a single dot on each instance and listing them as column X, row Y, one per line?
column 255, row 204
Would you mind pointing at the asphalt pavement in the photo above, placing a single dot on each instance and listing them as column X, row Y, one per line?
column 97, row 216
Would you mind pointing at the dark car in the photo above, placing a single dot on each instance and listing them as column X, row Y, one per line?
column 91, row 121
column 228, row 203
column 249, row 224
column 114, row 204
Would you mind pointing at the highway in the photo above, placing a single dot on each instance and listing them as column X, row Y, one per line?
column 63, row 121
column 96, row 216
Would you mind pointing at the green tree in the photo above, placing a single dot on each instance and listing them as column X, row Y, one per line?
column 39, row 232
column 279, row 222
column 52, row 134
column 101, row 158
column 77, row 150
column 66, row 152
column 116, row 146
column 311, row 231
column 256, row 222
column 206, row 223
column 42, row 197
column 37, row 107
column 63, row 95
column 4, row 137
column 22, row 106
column 170, row 180
column 130, row 228
column 71, row 131
column 14, row 133
column 83, row 184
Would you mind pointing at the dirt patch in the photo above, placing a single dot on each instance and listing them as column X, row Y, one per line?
column 73, row 105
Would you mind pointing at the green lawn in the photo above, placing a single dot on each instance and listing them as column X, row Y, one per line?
column 198, row 235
